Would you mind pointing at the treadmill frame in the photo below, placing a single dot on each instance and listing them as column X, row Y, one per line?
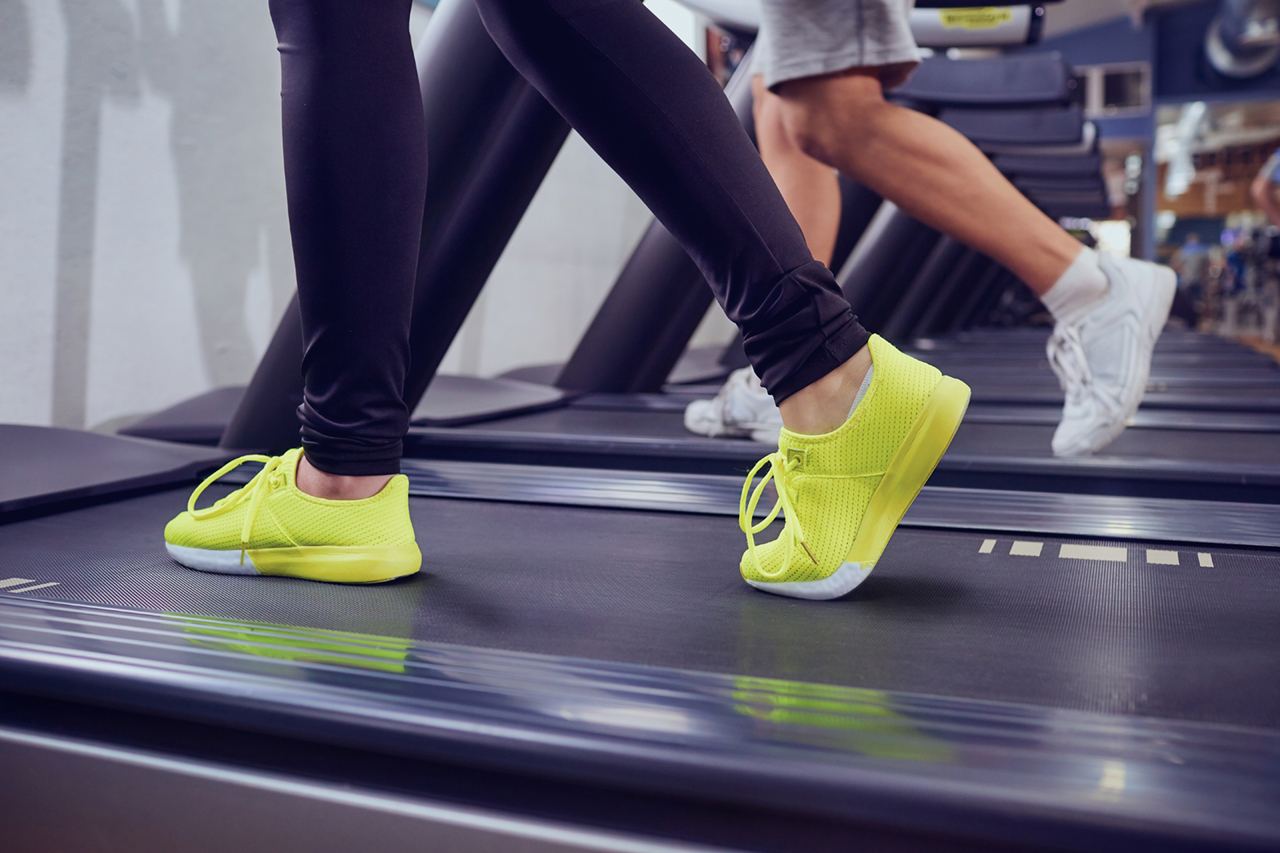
column 887, row 763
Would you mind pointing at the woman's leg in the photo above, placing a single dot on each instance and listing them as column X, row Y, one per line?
column 656, row 115
column 356, row 176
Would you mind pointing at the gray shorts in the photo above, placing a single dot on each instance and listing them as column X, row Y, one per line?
column 807, row 38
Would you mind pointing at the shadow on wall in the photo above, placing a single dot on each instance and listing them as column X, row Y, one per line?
column 101, row 64
column 221, row 73
column 225, row 137
column 15, row 47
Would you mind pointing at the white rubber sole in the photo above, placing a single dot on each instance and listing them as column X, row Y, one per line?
column 356, row 564
column 840, row 582
column 204, row 560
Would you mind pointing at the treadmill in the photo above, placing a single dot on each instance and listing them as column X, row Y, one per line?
column 577, row 667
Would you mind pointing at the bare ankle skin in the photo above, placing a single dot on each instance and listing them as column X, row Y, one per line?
column 333, row 487
column 824, row 405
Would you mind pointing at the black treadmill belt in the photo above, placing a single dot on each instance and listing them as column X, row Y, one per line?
column 1222, row 398
column 1139, row 637
column 1032, row 441
column 605, row 422
column 1034, row 357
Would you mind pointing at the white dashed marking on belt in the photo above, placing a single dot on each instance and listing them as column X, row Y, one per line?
column 1110, row 553
column 34, row 588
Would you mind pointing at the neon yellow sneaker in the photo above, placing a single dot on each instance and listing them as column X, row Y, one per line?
column 845, row 492
column 269, row 527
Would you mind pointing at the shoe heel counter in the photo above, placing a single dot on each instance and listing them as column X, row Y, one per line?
column 912, row 464
column 399, row 520
column 901, row 387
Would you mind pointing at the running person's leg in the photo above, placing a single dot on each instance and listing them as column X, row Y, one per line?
column 829, row 68
column 923, row 166
column 809, row 186
column 865, row 425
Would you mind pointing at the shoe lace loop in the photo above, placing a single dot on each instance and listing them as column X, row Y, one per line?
column 266, row 480
column 1066, row 356
column 780, row 471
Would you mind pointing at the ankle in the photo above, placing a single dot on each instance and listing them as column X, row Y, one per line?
column 335, row 487
column 1078, row 289
column 824, row 405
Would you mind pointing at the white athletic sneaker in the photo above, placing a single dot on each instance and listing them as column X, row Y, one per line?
column 1103, row 358
column 741, row 409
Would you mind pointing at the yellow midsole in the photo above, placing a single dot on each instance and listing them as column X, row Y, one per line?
column 339, row 564
column 910, row 467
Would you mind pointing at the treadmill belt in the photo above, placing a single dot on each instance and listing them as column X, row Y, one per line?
column 1184, row 445
column 578, row 421
column 1123, row 631
column 977, row 437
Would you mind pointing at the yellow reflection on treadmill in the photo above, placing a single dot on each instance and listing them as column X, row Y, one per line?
column 291, row 643
column 863, row 717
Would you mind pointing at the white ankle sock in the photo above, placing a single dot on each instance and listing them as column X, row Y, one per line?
column 862, row 390
column 1079, row 287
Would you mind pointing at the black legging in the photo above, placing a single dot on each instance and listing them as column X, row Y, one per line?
column 355, row 169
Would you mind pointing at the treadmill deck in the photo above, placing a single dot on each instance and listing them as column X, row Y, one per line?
column 1140, row 637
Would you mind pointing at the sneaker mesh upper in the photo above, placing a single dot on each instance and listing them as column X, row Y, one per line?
column 290, row 517
column 840, row 470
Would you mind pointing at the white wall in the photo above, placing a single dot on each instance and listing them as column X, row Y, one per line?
column 31, row 85
column 555, row 272
column 144, row 250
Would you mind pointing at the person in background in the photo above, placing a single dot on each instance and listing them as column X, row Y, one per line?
column 820, row 108
column 1264, row 187
column 1191, row 263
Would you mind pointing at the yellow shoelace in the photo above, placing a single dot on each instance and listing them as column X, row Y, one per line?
column 780, row 470
column 253, row 491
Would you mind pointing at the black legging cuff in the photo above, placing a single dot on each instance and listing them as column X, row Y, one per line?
column 796, row 329
column 838, row 347
column 347, row 461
